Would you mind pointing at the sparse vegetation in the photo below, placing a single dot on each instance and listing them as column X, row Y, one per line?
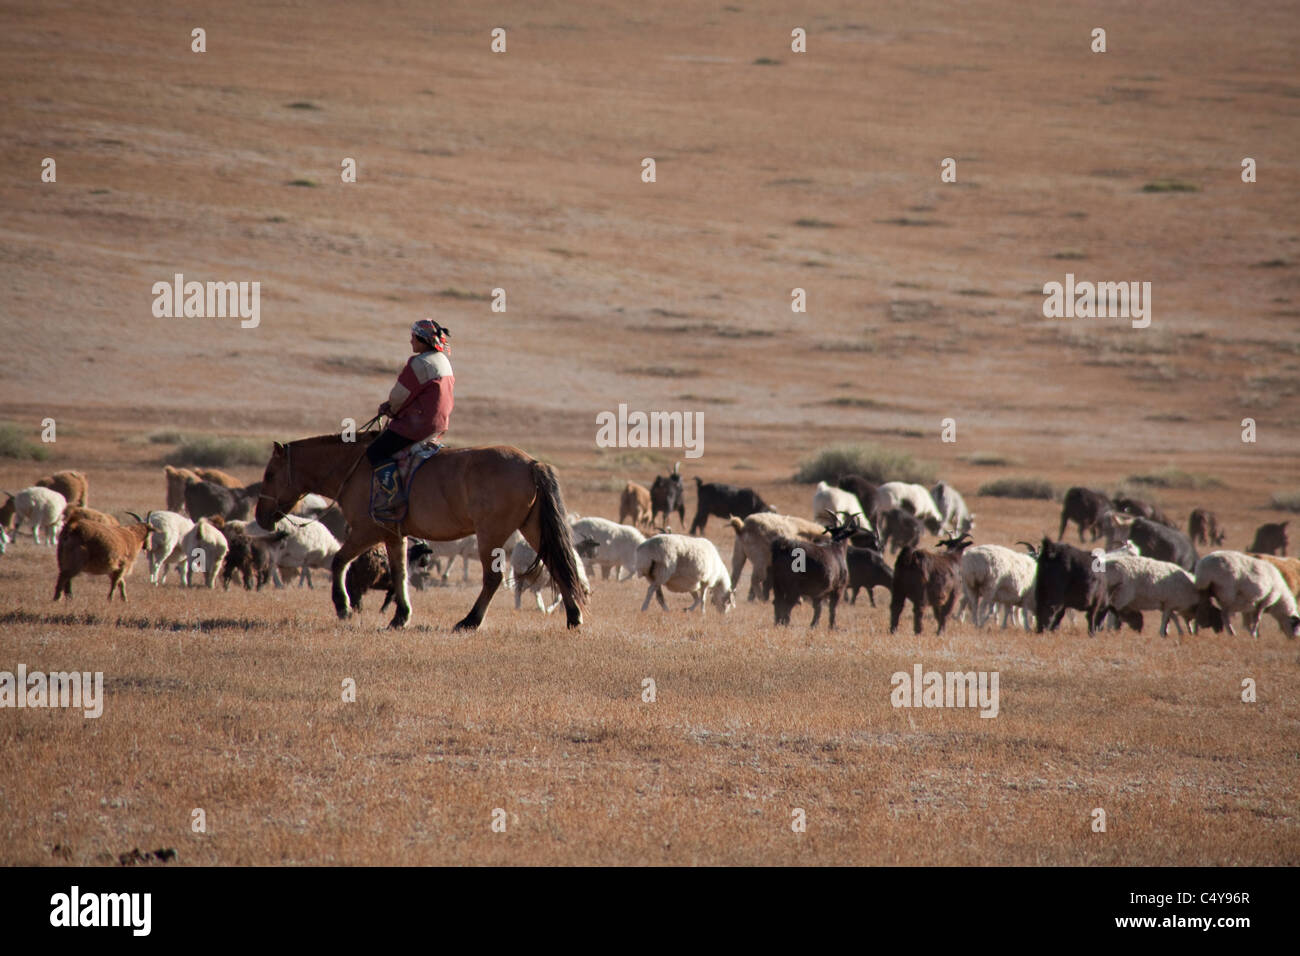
column 303, row 105
column 662, row 371
column 873, row 462
column 985, row 460
column 1018, row 488
column 451, row 292
column 1286, row 500
column 810, row 223
column 766, row 61
column 14, row 444
column 210, row 452
column 1170, row 186
column 1176, row 478
column 307, row 183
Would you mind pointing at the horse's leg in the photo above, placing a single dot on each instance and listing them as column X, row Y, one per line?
column 397, row 575
column 489, row 541
column 339, row 567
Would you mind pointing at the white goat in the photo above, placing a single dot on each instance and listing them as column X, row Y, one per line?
column 204, row 547
column 167, row 529
column 1252, row 586
column 835, row 500
column 909, row 497
column 956, row 518
column 685, row 564
column 531, row 574
column 43, row 507
column 299, row 546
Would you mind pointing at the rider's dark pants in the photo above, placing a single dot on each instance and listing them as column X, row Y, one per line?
column 383, row 448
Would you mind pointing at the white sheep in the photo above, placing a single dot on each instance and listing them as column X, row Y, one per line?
column 1238, row 582
column 43, row 507
column 952, row 506
column 530, row 574
column 684, row 564
column 1145, row 584
column 301, row 546
column 991, row 575
column 167, row 529
column 204, row 548
column 909, row 497
column 616, row 545
column 835, row 500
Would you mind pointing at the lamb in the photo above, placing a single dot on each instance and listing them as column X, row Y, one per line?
column 1271, row 539
column 723, row 501
column 635, row 503
column 668, row 495
column 43, row 507
column 754, row 537
column 927, row 577
column 167, row 532
column 203, row 548
column 1203, row 528
column 1239, row 582
column 836, row 501
column 900, row 529
column 616, row 545
column 910, row 497
column 97, row 548
column 1084, row 507
column 530, row 574
column 801, row 569
column 302, row 546
column 73, row 485
column 1136, row 584
column 956, row 518
column 992, row 574
column 684, row 564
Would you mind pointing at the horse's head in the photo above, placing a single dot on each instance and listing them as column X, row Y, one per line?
column 279, row 493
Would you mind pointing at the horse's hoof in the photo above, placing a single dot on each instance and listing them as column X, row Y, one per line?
column 466, row 625
column 397, row 623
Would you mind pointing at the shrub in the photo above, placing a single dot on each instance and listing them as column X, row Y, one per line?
column 220, row 452
column 1287, row 500
column 1018, row 488
column 1176, row 478
column 873, row 462
column 14, row 445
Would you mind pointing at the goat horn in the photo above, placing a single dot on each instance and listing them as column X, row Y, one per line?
column 136, row 517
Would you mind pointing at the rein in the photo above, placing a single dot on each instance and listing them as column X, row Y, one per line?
column 288, row 460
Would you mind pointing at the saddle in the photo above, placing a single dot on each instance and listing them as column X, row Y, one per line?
column 390, row 482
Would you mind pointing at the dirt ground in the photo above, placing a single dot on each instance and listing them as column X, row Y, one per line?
column 522, row 171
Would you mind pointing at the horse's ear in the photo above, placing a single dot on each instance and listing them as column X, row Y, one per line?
column 277, row 448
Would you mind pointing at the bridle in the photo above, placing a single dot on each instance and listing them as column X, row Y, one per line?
column 288, row 471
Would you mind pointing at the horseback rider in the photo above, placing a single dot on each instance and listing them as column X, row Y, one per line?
column 419, row 407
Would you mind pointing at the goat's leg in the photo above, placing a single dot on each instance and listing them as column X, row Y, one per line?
column 834, row 600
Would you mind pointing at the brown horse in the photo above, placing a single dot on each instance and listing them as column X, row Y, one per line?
column 489, row 492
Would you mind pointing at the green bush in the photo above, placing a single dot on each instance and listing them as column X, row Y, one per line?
column 14, row 445
column 1176, row 478
column 220, row 452
column 1018, row 488
column 873, row 462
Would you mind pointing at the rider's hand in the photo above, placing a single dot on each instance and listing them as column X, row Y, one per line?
column 385, row 409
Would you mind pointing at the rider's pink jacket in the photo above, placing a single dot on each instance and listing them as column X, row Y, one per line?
column 422, row 398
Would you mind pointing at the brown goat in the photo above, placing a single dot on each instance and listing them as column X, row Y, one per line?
column 97, row 548
column 634, row 503
column 1271, row 539
column 219, row 477
column 1203, row 527
column 176, row 479
column 927, row 577
column 73, row 485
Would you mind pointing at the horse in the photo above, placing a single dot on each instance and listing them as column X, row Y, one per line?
column 489, row 492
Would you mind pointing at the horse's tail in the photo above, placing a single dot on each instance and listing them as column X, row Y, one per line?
column 556, row 549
